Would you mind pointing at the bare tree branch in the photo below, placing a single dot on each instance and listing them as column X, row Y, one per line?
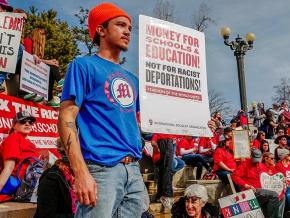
column 201, row 18
column 217, row 102
column 164, row 10
column 282, row 91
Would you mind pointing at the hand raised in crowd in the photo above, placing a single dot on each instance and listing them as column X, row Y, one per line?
column 86, row 189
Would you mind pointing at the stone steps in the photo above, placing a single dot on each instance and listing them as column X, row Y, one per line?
column 15, row 210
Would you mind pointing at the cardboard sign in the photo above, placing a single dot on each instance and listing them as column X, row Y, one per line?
column 34, row 77
column 274, row 183
column 240, row 205
column 241, row 142
column 11, row 26
column 44, row 131
column 172, row 79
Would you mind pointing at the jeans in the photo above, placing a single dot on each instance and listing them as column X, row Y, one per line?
column 269, row 203
column 3, row 76
column 121, row 192
column 177, row 164
column 196, row 160
column 165, row 175
column 223, row 176
column 287, row 195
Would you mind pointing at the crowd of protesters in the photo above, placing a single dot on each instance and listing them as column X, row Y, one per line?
column 34, row 44
column 101, row 165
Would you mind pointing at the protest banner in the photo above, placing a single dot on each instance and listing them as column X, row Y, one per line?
column 34, row 77
column 172, row 79
column 273, row 183
column 11, row 26
column 241, row 142
column 240, row 205
column 45, row 131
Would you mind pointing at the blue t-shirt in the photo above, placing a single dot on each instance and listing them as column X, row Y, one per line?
column 107, row 97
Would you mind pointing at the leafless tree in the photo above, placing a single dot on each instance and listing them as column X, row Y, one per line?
column 201, row 18
column 217, row 102
column 164, row 10
column 282, row 91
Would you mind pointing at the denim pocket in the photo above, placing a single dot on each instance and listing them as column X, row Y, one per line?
column 94, row 168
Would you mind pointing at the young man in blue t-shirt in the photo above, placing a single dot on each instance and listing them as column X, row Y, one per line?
column 97, row 122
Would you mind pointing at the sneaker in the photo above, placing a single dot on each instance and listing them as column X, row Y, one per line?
column 29, row 96
column 37, row 99
column 2, row 89
column 166, row 202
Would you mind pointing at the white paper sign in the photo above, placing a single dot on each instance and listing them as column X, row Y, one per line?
column 11, row 25
column 241, row 143
column 241, row 205
column 172, row 79
column 34, row 78
column 273, row 183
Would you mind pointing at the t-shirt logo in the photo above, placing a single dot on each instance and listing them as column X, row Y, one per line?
column 122, row 92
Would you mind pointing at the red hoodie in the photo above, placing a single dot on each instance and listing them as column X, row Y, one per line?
column 249, row 173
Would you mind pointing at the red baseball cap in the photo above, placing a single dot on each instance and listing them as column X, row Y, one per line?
column 102, row 13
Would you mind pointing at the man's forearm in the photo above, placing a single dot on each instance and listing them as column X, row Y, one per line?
column 70, row 140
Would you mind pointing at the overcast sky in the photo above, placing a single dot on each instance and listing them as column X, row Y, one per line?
column 265, row 65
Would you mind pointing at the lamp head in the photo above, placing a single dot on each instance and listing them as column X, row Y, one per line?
column 250, row 37
column 225, row 32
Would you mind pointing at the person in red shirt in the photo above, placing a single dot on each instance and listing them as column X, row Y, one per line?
column 257, row 141
column 207, row 145
column 224, row 161
column 283, row 166
column 264, row 146
column 247, row 176
column 187, row 149
column 16, row 147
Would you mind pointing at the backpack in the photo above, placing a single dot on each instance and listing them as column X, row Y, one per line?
column 29, row 183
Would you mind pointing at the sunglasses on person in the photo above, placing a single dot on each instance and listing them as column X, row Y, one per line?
column 271, row 158
column 22, row 122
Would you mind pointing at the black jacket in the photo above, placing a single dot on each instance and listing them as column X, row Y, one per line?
column 54, row 198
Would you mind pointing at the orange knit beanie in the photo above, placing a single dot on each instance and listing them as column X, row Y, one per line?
column 102, row 13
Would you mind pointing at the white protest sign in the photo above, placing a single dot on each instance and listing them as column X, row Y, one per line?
column 241, row 143
column 34, row 77
column 11, row 26
column 240, row 205
column 172, row 79
column 273, row 183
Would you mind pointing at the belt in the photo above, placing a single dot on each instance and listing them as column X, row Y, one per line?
column 128, row 159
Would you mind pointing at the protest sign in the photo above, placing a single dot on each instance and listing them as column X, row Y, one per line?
column 172, row 79
column 34, row 77
column 273, row 183
column 44, row 132
column 240, row 205
column 241, row 144
column 11, row 26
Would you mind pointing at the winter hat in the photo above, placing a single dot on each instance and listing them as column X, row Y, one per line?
column 102, row 13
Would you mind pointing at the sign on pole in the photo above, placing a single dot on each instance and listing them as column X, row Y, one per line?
column 241, row 143
column 240, row 205
column 34, row 77
column 172, row 79
column 11, row 25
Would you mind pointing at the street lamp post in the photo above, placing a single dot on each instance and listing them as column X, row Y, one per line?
column 240, row 47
